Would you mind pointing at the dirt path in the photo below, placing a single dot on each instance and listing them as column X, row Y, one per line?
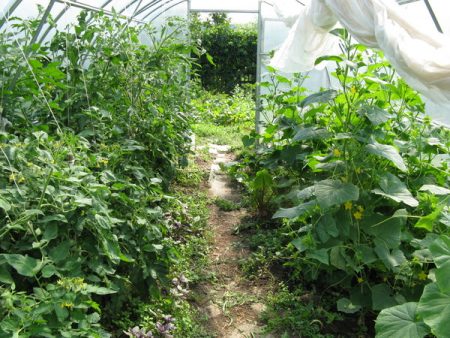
column 232, row 303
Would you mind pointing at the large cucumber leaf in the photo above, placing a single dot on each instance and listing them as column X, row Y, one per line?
column 400, row 322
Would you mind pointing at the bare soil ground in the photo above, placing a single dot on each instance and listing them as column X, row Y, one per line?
column 232, row 303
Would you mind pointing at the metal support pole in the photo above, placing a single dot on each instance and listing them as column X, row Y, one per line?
column 259, row 52
column 43, row 21
column 240, row 11
column 433, row 16
column 10, row 9
column 148, row 6
column 33, row 40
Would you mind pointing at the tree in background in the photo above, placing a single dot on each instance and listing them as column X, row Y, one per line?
column 233, row 52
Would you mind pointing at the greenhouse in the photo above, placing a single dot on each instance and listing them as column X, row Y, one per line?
column 240, row 168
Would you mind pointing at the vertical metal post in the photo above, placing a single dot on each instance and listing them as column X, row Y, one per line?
column 259, row 53
column 433, row 16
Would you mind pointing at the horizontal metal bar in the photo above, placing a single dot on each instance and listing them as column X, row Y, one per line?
column 82, row 5
column 243, row 11
column 404, row 2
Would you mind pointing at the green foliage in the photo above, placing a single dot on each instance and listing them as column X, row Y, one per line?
column 224, row 109
column 230, row 58
column 226, row 205
column 360, row 178
column 93, row 128
column 261, row 191
column 222, row 135
column 293, row 314
column 400, row 321
column 188, row 220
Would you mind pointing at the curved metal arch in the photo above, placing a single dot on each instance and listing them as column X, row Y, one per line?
column 148, row 6
column 168, row 3
column 69, row 4
column 9, row 10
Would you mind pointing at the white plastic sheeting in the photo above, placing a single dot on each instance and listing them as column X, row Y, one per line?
column 421, row 56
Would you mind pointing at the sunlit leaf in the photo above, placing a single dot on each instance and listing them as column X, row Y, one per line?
column 346, row 306
column 388, row 152
column 24, row 265
column 297, row 211
column 334, row 192
column 440, row 250
column 435, row 190
column 434, row 308
column 393, row 188
column 400, row 321
column 320, row 97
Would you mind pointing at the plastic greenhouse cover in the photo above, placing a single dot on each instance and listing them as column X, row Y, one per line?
column 65, row 12
column 416, row 11
column 225, row 5
column 144, row 10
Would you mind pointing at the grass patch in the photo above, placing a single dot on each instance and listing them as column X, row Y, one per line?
column 226, row 205
column 294, row 314
column 223, row 135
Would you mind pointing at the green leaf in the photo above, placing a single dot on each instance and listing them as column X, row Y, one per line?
column 337, row 258
column 5, row 276
column 326, row 228
column 381, row 297
column 210, row 59
column 61, row 312
column 299, row 244
column 396, row 190
column 435, row 190
column 305, row 193
column 334, row 192
column 391, row 259
column 440, row 250
column 334, row 58
column 386, row 230
column 24, row 265
column 434, row 308
column 427, row 222
column 48, row 271
column 51, row 232
column 346, row 306
column 321, row 255
column 263, row 180
column 103, row 222
column 98, row 290
column 400, row 322
column 82, row 201
column 388, row 152
column 297, row 211
column 320, row 97
column 366, row 254
column 60, row 252
column 376, row 115
column 310, row 133
column 4, row 204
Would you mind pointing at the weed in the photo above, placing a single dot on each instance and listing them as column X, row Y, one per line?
column 226, row 205
column 291, row 314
